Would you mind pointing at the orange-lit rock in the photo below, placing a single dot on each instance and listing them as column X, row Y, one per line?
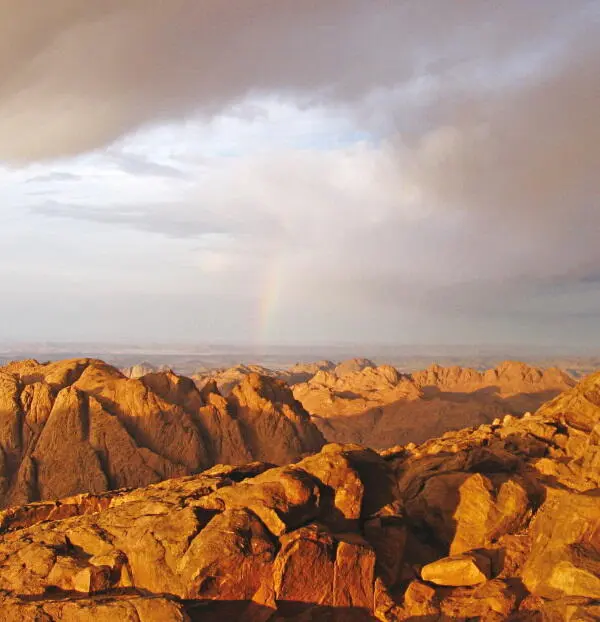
column 82, row 426
column 499, row 522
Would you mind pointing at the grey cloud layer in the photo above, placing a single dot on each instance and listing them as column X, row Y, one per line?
column 75, row 74
column 478, row 197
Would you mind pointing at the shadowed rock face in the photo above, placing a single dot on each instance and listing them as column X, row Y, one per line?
column 500, row 522
column 81, row 426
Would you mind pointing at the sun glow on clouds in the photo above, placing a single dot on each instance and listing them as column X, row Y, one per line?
column 241, row 198
column 360, row 175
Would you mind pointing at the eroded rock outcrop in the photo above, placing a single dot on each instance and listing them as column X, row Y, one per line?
column 140, row 369
column 301, row 372
column 334, row 394
column 226, row 379
column 82, row 426
column 510, row 378
column 499, row 522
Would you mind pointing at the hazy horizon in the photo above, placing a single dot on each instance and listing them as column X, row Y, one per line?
column 266, row 172
column 186, row 357
column 181, row 345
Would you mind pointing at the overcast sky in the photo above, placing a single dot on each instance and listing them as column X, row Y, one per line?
column 300, row 171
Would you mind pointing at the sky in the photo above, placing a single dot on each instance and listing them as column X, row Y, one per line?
column 300, row 171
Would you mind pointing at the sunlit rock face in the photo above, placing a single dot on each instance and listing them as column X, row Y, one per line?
column 497, row 522
column 82, row 426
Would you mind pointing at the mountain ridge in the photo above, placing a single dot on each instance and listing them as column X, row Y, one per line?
column 378, row 406
column 81, row 425
column 106, row 431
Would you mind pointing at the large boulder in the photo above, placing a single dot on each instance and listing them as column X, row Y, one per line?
column 565, row 556
column 459, row 570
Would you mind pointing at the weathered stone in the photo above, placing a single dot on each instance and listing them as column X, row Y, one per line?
column 92, row 579
column 387, row 536
column 283, row 498
column 420, row 601
column 354, row 573
column 229, row 559
column 127, row 609
column 304, row 567
column 565, row 557
column 494, row 600
column 345, row 489
column 458, row 570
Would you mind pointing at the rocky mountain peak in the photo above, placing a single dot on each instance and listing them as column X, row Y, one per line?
column 82, row 426
column 352, row 365
column 258, row 390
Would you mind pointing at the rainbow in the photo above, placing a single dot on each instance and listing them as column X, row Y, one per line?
column 269, row 300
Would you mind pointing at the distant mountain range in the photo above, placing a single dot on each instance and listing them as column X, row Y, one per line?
column 188, row 358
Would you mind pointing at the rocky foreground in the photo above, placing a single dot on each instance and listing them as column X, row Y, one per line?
column 501, row 522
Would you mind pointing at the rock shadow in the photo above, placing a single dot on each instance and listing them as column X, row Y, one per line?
column 419, row 420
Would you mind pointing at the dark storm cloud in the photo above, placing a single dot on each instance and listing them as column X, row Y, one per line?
column 76, row 74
